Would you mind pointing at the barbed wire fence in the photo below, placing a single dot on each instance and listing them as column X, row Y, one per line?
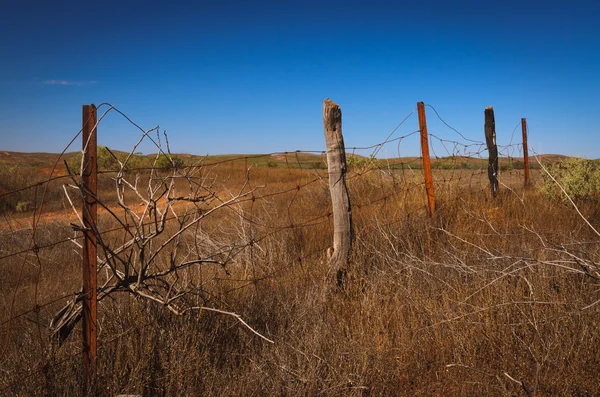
column 184, row 236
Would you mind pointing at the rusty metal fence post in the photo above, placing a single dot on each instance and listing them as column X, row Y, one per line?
column 89, row 263
column 525, row 151
column 426, row 158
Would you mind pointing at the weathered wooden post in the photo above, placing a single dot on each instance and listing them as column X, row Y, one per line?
column 89, row 263
column 426, row 158
column 525, row 151
column 490, row 140
column 343, row 233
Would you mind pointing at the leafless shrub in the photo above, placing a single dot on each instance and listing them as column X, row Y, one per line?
column 162, row 249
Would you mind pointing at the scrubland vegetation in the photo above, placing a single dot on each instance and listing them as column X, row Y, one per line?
column 491, row 296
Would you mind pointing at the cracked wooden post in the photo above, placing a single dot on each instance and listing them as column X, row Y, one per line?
column 426, row 158
column 89, row 263
column 343, row 233
column 490, row 140
column 525, row 151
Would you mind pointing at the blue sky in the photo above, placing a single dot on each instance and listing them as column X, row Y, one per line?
column 251, row 77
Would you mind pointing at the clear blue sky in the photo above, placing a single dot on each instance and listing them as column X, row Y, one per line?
column 251, row 76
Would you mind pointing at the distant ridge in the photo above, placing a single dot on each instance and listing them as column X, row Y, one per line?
column 43, row 159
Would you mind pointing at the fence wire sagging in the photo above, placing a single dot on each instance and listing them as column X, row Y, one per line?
column 183, row 232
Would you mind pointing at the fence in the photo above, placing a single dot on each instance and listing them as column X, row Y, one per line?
column 130, row 238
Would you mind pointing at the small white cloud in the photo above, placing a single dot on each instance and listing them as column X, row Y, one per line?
column 66, row 82
column 56, row 82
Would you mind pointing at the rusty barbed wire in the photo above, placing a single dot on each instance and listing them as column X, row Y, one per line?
column 311, row 177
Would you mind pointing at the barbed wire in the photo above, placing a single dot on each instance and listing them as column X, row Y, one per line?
column 34, row 185
column 310, row 177
column 449, row 126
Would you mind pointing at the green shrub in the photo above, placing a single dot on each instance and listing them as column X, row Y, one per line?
column 359, row 163
column 165, row 162
column 23, row 206
column 108, row 162
column 442, row 165
column 579, row 177
column 136, row 161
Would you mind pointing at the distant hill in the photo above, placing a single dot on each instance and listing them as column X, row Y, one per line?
column 31, row 159
column 289, row 159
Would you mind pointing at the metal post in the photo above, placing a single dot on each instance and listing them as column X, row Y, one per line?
column 426, row 158
column 90, row 217
column 525, row 151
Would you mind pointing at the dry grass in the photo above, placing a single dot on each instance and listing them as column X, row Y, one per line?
column 484, row 299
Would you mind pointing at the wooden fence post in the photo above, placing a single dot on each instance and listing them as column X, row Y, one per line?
column 426, row 158
column 89, row 263
column 525, row 151
column 490, row 139
column 343, row 233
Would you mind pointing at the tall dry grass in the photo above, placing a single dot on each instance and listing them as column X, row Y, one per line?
column 490, row 297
